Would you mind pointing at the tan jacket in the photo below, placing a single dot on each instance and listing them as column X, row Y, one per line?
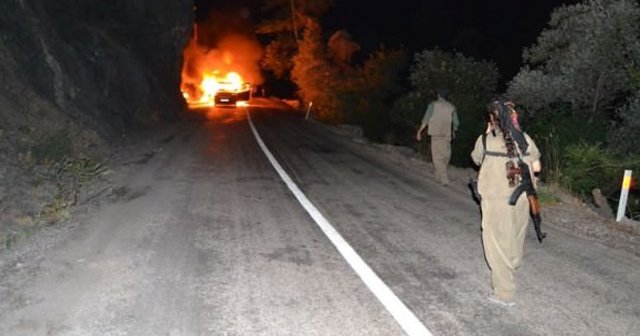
column 440, row 115
column 442, row 119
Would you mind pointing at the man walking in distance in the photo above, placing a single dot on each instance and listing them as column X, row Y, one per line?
column 440, row 117
column 503, row 225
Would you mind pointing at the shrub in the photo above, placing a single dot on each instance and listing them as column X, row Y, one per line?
column 623, row 135
column 558, row 130
column 586, row 166
column 52, row 148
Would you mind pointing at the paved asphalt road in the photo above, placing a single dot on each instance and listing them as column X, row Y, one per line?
column 207, row 239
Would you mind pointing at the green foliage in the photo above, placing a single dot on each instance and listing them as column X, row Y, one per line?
column 547, row 197
column 624, row 136
column 80, row 170
column 405, row 116
column 574, row 157
column 633, row 205
column 56, row 210
column 586, row 166
column 578, row 87
column 554, row 135
column 471, row 113
column 57, row 165
column 53, row 147
column 70, row 176
column 550, row 150
column 584, row 59
column 433, row 69
column 408, row 110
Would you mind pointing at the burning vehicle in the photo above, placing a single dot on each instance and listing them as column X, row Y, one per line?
column 232, row 95
column 220, row 74
column 215, row 90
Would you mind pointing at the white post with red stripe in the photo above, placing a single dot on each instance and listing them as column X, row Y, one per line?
column 624, row 195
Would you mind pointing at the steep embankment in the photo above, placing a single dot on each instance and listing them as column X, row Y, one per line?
column 76, row 75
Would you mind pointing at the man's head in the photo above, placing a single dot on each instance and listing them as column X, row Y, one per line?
column 443, row 93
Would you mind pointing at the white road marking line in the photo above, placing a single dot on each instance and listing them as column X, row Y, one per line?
column 405, row 317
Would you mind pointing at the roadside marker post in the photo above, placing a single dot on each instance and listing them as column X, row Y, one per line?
column 308, row 110
column 624, row 195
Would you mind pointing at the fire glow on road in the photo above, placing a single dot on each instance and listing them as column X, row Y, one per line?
column 405, row 317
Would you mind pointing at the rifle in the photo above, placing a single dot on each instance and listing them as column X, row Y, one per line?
column 507, row 125
column 534, row 205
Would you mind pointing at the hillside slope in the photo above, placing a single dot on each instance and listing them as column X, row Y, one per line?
column 77, row 76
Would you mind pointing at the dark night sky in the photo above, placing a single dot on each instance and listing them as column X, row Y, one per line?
column 495, row 30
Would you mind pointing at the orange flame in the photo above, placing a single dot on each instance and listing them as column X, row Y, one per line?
column 207, row 72
column 211, row 84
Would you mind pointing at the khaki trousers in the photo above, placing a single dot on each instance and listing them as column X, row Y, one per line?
column 503, row 231
column 440, row 155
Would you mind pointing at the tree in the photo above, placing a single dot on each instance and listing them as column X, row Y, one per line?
column 314, row 75
column 435, row 68
column 288, row 18
column 367, row 92
column 583, row 60
column 325, row 72
column 623, row 137
column 582, row 75
column 342, row 47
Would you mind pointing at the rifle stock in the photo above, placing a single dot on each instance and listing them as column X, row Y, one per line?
column 534, row 208
column 517, row 192
column 532, row 196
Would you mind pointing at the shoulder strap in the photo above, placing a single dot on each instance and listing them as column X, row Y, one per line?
column 484, row 146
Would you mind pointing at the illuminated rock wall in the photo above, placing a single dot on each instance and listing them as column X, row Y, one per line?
column 105, row 64
column 75, row 76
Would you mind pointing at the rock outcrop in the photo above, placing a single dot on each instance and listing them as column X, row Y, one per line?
column 77, row 74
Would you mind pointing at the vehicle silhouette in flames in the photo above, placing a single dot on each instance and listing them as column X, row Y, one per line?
column 233, row 98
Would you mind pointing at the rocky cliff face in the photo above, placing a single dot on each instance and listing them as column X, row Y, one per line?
column 76, row 74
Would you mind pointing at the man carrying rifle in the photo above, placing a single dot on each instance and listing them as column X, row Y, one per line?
column 504, row 154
